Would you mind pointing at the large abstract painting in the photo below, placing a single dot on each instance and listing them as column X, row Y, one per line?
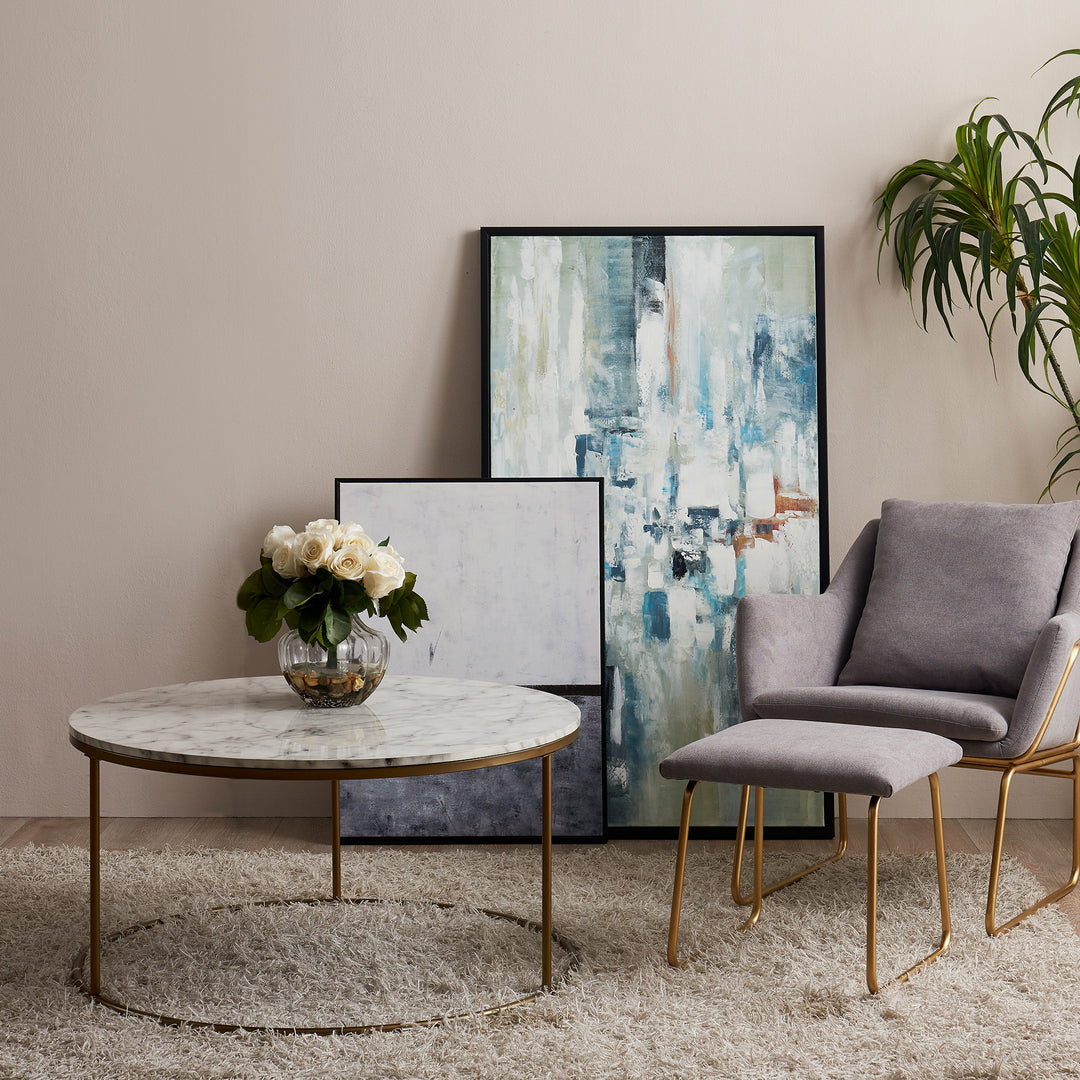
column 685, row 367
column 511, row 571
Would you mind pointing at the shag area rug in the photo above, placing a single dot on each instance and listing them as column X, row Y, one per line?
column 785, row 999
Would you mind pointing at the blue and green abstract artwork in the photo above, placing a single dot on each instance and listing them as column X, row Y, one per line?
column 685, row 368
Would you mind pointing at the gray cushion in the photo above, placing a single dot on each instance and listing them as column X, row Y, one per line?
column 975, row 717
column 959, row 594
column 810, row 756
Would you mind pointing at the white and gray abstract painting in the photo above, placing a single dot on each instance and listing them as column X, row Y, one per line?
column 511, row 573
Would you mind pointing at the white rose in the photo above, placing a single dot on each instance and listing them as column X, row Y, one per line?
column 327, row 525
column 348, row 563
column 313, row 549
column 382, row 574
column 394, row 554
column 353, row 535
column 285, row 560
column 278, row 535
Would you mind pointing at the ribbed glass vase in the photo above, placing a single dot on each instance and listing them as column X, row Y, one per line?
column 346, row 676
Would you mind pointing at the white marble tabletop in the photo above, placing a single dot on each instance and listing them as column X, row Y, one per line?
column 259, row 723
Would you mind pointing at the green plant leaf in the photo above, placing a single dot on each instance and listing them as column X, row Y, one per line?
column 420, row 606
column 263, row 620
column 354, row 598
column 302, row 591
column 956, row 226
column 273, row 584
column 1060, row 472
column 310, row 624
column 1067, row 96
column 337, row 625
column 251, row 592
column 394, row 619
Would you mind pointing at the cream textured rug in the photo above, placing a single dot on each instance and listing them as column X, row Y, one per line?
column 786, row 999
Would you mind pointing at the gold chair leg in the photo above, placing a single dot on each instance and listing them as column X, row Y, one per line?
column 871, row 891
column 740, row 843
column 680, row 868
column 999, row 845
column 759, row 855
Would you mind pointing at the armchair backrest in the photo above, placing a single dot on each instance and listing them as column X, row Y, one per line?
column 959, row 594
column 852, row 577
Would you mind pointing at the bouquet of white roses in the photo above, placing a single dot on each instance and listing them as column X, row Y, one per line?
column 318, row 579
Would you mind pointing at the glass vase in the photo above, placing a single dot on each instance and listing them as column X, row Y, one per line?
column 345, row 676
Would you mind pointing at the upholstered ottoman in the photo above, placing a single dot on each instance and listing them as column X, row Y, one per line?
column 806, row 755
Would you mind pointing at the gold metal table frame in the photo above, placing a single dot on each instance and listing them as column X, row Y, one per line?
column 91, row 985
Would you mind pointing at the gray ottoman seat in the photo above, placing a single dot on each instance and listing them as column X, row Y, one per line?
column 808, row 755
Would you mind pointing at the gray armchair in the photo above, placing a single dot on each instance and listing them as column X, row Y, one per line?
column 962, row 619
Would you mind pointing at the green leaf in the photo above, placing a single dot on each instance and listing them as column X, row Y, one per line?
column 403, row 608
column 1060, row 471
column 337, row 625
column 394, row 618
column 273, row 584
column 956, row 226
column 986, row 248
column 421, row 610
column 354, row 598
column 251, row 592
column 263, row 620
column 302, row 591
column 311, row 624
column 1076, row 187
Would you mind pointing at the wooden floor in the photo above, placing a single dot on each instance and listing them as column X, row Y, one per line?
column 1043, row 846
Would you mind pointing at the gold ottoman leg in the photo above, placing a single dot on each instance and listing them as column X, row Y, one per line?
column 871, row 891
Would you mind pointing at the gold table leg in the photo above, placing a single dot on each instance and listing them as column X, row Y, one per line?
column 545, row 877
column 335, row 839
column 95, row 876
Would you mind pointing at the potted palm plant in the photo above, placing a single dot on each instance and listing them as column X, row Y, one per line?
column 999, row 237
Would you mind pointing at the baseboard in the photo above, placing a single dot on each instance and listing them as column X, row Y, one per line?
column 970, row 793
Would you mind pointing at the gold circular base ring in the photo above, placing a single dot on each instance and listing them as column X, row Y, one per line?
column 78, row 978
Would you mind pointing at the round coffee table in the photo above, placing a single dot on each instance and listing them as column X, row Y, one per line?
column 256, row 728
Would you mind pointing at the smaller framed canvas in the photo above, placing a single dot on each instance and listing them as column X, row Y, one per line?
column 511, row 573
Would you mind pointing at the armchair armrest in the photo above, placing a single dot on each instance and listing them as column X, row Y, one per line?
column 784, row 641
column 1042, row 677
column 788, row 641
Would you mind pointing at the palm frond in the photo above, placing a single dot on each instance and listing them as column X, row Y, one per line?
column 958, row 228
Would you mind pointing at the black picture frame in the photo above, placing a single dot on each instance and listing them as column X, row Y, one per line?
column 584, row 332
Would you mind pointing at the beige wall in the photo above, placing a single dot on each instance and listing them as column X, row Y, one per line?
column 239, row 257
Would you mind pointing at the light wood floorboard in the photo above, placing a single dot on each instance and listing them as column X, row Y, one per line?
column 1043, row 846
